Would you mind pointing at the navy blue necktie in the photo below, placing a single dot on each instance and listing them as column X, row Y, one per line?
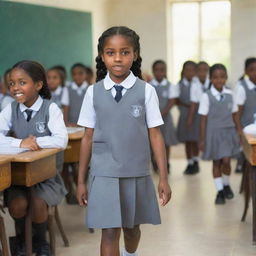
column 119, row 89
column 221, row 97
column 29, row 114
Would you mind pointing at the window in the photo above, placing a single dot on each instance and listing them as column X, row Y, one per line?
column 200, row 31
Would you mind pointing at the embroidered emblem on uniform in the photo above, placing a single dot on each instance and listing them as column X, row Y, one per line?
column 165, row 94
column 136, row 110
column 40, row 127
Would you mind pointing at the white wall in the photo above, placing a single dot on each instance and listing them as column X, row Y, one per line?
column 243, row 34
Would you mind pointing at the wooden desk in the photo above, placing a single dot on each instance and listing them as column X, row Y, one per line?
column 5, row 182
column 72, row 152
column 28, row 169
column 249, row 147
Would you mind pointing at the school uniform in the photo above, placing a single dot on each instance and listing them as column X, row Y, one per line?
column 73, row 96
column 221, row 136
column 166, row 91
column 120, row 191
column 246, row 97
column 186, row 134
column 47, row 125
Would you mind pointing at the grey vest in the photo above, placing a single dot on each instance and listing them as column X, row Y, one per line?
column 220, row 112
column 57, row 98
column 37, row 126
column 75, row 104
column 184, row 93
column 249, row 105
column 120, row 140
column 163, row 94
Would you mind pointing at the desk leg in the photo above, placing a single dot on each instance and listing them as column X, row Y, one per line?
column 28, row 224
column 253, row 194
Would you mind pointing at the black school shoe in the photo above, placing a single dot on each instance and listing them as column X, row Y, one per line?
column 20, row 249
column 220, row 198
column 228, row 192
column 189, row 169
column 43, row 249
column 196, row 168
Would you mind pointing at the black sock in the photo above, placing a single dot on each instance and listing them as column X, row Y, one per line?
column 20, row 227
column 40, row 230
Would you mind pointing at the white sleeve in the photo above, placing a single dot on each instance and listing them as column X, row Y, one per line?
column 194, row 93
column 153, row 114
column 235, row 106
column 87, row 116
column 204, row 105
column 6, row 100
column 173, row 92
column 59, row 134
column 5, row 126
column 240, row 95
column 65, row 97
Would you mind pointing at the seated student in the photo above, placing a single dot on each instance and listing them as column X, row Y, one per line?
column 35, row 122
column 4, row 90
column 73, row 95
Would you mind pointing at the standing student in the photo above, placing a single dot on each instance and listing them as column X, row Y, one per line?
column 220, row 127
column 34, row 122
column 4, row 90
column 73, row 95
column 202, row 75
column 121, row 116
column 167, row 96
column 62, row 69
column 246, row 100
column 188, row 134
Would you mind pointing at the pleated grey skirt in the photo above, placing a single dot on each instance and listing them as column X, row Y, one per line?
column 168, row 131
column 121, row 202
column 185, row 134
column 220, row 143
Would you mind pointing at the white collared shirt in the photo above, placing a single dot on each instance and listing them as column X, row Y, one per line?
column 197, row 90
column 240, row 93
column 58, row 137
column 87, row 117
column 204, row 102
column 173, row 92
column 57, row 92
column 186, row 83
column 79, row 90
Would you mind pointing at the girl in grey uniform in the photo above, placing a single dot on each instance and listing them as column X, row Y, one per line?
column 121, row 116
column 188, row 134
column 246, row 101
column 35, row 122
column 220, row 127
column 4, row 90
column 167, row 96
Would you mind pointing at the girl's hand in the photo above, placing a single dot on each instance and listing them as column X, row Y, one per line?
column 165, row 192
column 30, row 143
column 189, row 123
column 81, row 194
column 201, row 145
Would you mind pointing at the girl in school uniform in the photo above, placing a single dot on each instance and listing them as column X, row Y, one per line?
column 73, row 95
column 188, row 134
column 34, row 122
column 246, row 100
column 220, row 127
column 167, row 96
column 121, row 116
column 4, row 90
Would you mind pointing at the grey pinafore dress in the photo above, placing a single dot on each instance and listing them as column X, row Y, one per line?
column 185, row 134
column 249, row 106
column 120, row 190
column 168, row 130
column 221, row 136
column 53, row 189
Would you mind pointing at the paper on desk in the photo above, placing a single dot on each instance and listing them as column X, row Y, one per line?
column 8, row 150
column 250, row 129
column 74, row 129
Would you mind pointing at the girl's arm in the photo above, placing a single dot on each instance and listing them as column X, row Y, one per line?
column 191, row 113
column 179, row 103
column 65, row 114
column 157, row 144
column 85, row 156
column 169, row 105
column 236, row 117
column 203, row 123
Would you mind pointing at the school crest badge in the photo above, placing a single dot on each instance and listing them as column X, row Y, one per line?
column 136, row 110
column 40, row 127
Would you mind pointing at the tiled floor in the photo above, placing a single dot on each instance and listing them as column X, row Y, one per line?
column 192, row 224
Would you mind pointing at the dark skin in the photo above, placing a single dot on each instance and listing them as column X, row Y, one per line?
column 221, row 166
column 26, row 91
column 202, row 72
column 118, row 55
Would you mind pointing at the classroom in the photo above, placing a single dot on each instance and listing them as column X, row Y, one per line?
column 127, row 127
